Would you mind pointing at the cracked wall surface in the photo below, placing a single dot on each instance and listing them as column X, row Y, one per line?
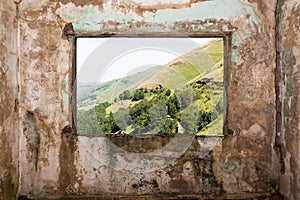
column 289, row 60
column 63, row 164
column 8, row 101
column 54, row 162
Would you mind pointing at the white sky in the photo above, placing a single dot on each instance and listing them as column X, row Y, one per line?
column 141, row 55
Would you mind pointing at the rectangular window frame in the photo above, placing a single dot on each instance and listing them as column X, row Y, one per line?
column 227, row 37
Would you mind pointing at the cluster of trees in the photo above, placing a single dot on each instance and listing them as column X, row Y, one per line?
column 139, row 94
column 126, row 95
column 156, row 114
column 156, row 111
column 153, row 115
column 159, row 113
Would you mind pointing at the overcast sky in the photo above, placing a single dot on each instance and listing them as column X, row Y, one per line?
column 105, row 59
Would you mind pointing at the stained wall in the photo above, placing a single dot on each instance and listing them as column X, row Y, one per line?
column 289, row 66
column 56, row 164
column 246, row 161
column 8, row 101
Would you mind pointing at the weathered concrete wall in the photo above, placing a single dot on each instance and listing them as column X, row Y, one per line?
column 44, row 58
column 245, row 161
column 139, row 170
column 8, row 101
column 289, row 63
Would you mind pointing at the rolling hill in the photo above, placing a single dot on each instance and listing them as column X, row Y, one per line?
column 201, row 69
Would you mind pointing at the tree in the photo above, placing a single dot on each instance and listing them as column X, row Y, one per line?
column 190, row 120
column 169, row 127
column 168, row 92
column 122, row 118
column 173, row 106
column 186, row 97
column 109, row 125
column 138, row 95
column 87, row 123
column 125, row 95
column 204, row 119
column 139, row 113
column 158, row 117
column 100, row 111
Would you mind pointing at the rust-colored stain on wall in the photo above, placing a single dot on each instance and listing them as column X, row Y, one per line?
column 36, row 58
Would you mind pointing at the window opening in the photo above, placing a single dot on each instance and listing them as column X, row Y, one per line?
column 145, row 86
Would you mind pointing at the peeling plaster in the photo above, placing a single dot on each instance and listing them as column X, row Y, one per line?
column 289, row 65
column 64, row 165
column 89, row 18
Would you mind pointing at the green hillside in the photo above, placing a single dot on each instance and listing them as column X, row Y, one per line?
column 200, row 61
column 97, row 93
column 185, row 94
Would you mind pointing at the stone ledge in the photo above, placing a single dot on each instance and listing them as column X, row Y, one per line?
column 245, row 196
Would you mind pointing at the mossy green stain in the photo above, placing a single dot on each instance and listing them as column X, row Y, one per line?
column 88, row 18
